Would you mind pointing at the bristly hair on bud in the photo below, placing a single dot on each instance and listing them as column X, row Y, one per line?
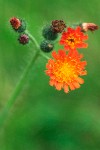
column 58, row 26
column 48, row 33
column 46, row 46
column 18, row 25
column 88, row 26
column 23, row 39
column 22, row 28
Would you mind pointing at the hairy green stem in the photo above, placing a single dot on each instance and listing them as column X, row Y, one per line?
column 32, row 38
column 43, row 55
column 18, row 88
column 5, row 112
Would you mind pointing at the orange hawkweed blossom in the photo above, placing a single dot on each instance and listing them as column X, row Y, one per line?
column 73, row 39
column 65, row 70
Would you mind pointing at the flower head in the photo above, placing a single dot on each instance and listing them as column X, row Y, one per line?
column 88, row 26
column 58, row 25
column 65, row 70
column 73, row 38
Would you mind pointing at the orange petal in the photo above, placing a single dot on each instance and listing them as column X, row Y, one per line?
column 54, row 54
column 84, row 45
column 78, row 29
column 71, row 86
column 51, row 82
column 84, row 73
column 58, row 86
column 76, row 84
column 80, row 80
column 66, row 89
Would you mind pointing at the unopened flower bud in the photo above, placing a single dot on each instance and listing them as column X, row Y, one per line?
column 58, row 26
column 18, row 24
column 46, row 46
column 23, row 39
column 88, row 26
column 48, row 33
column 15, row 22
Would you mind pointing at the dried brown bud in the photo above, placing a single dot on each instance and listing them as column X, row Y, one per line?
column 58, row 26
column 88, row 26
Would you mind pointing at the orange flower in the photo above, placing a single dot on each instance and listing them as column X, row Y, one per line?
column 64, row 70
column 73, row 39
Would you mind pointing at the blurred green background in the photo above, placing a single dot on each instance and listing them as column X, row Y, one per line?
column 43, row 118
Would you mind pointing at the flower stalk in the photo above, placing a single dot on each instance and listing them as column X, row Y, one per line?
column 5, row 112
column 17, row 91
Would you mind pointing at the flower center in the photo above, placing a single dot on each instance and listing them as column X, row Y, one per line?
column 65, row 71
column 71, row 41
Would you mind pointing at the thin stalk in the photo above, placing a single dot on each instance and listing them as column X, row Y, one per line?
column 17, row 91
column 5, row 112
column 43, row 55
column 33, row 39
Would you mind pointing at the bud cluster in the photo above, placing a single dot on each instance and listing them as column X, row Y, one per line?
column 50, row 34
column 19, row 26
